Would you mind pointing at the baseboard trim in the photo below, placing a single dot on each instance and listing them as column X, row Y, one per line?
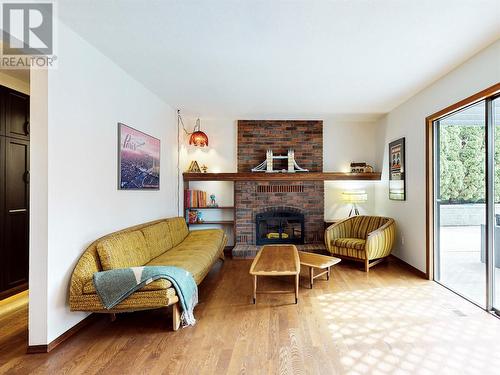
column 34, row 349
column 409, row 267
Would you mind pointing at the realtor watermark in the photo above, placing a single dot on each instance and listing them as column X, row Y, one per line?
column 27, row 35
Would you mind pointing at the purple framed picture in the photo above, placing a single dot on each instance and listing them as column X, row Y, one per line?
column 138, row 160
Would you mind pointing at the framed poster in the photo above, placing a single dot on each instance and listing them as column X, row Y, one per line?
column 138, row 160
column 397, row 173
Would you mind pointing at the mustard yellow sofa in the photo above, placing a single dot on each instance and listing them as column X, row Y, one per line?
column 368, row 239
column 161, row 242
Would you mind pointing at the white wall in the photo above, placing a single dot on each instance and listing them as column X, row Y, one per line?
column 220, row 156
column 38, row 237
column 344, row 141
column 74, row 181
column 408, row 120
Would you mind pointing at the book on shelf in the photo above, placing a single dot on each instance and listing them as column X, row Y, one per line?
column 195, row 198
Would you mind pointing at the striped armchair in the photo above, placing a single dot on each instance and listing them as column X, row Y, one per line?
column 368, row 239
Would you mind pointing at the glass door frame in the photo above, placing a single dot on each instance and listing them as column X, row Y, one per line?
column 437, row 207
column 488, row 95
column 490, row 194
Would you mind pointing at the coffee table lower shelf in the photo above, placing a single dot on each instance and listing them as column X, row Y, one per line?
column 294, row 291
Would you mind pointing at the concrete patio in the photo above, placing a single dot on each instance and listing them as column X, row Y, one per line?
column 461, row 267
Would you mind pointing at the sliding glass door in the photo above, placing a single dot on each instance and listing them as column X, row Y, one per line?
column 465, row 197
column 460, row 202
column 494, row 118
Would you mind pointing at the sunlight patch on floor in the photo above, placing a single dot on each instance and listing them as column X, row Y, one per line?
column 411, row 330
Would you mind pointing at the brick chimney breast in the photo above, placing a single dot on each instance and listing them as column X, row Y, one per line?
column 255, row 137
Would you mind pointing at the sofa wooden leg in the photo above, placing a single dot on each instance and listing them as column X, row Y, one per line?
column 112, row 317
column 367, row 265
column 176, row 316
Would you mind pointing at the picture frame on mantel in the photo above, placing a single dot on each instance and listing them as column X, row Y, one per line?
column 397, row 170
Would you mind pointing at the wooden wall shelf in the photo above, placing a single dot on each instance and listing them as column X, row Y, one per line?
column 299, row 176
column 221, row 222
column 211, row 208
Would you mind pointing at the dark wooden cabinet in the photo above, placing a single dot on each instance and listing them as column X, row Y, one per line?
column 2, row 210
column 14, row 191
column 3, row 126
column 16, row 212
column 17, row 115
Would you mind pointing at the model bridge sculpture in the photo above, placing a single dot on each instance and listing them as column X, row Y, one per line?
column 267, row 165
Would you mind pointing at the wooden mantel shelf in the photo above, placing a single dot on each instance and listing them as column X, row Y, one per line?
column 299, row 176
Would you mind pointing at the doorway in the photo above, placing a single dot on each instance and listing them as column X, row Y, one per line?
column 14, row 185
column 463, row 198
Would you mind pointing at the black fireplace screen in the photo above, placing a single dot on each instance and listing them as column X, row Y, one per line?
column 279, row 226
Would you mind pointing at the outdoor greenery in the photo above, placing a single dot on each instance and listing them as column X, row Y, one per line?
column 462, row 163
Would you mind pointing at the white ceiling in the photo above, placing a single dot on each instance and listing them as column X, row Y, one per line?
column 255, row 58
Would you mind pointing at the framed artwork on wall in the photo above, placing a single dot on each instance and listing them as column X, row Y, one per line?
column 397, row 172
column 138, row 160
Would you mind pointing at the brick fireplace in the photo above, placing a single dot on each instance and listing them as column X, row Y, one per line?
column 255, row 197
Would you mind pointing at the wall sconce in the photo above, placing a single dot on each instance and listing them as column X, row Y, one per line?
column 354, row 196
column 196, row 137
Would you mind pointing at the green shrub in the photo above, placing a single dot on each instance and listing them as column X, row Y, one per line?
column 462, row 163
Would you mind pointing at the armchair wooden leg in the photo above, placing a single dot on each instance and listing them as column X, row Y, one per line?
column 367, row 265
column 176, row 316
column 311, row 277
column 254, row 289
column 112, row 317
column 297, row 288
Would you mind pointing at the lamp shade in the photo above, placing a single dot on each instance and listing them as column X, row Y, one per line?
column 199, row 139
column 354, row 196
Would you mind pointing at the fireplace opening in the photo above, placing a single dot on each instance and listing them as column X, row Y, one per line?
column 279, row 226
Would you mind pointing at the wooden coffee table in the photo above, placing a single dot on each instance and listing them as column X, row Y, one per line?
column 276, row 260
column 323, row 262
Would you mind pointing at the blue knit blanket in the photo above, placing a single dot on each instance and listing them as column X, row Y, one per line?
column 115, row 285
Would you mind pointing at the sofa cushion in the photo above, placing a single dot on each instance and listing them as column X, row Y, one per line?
column 196, row 253
column 350, row 243
column 196, row 236
column 128, row 249
column 363, row 225
column 157, row 238
column 178, row 229
column 352, row 253
column 160, row 284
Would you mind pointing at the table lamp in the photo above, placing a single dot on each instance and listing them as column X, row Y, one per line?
column 353, row 197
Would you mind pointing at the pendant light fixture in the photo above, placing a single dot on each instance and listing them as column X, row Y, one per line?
column 196, row 137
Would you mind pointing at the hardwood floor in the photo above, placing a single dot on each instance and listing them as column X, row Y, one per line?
column 387, row 322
